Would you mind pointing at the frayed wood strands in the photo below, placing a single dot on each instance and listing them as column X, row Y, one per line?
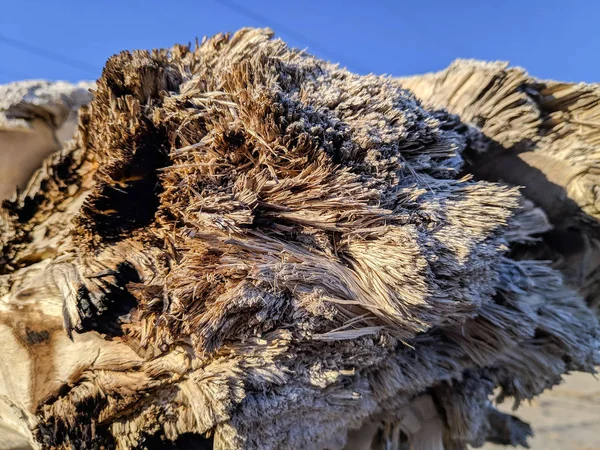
column 542, row 135
column 253, row 248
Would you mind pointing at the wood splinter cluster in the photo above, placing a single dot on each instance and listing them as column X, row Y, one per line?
column 247, row 247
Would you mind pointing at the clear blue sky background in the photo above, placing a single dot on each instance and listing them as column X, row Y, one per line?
column 550, row 38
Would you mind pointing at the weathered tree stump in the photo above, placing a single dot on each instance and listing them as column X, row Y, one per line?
column 247, row 247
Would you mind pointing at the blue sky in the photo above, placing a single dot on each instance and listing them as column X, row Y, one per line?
column 550, row 38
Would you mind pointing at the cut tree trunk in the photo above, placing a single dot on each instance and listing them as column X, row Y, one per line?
column 247, row 247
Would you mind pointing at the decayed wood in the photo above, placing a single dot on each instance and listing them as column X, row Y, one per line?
column 542, row 135
column 247, row 247
column 36, row 119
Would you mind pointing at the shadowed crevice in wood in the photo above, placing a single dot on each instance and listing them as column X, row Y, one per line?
column 128, row 146
column 107, row 317
column 187, row 441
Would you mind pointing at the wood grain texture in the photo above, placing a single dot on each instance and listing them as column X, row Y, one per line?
column 246, row 247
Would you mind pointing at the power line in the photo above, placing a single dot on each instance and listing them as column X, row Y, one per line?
column 34, row 50
column 257, row 17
